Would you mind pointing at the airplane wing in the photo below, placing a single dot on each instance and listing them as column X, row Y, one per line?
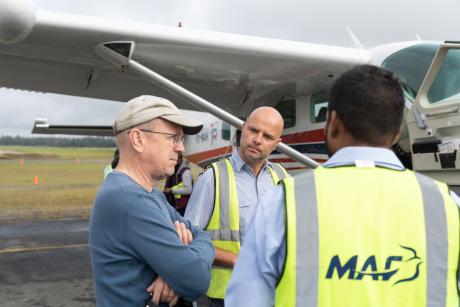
column 235, row 72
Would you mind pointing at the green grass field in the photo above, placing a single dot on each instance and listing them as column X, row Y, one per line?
column 68, row 179
column 62, row 153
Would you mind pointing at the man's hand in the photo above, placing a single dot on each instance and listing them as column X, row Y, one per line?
column 167, row 190
column 225, row 258
column 184, row 234
column 162, row 292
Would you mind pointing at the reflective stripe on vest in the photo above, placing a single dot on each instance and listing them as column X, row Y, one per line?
column 277, row 172
column 224, row 225
column 179, row 199
column 368, row 257
column 177, row 186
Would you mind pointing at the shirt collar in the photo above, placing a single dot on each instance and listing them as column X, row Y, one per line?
column 239, row 163
column 354, row 155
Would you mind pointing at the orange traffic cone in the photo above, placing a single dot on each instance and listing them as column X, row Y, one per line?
column 35, row 179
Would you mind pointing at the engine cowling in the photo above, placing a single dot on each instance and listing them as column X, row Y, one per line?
column 17, row 19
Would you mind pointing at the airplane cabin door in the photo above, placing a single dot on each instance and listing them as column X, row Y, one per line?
column 434, row 120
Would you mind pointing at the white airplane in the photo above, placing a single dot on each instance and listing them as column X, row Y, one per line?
column 91, row 57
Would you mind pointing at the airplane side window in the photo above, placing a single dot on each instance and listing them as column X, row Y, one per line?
column 446, row 85
column 318, row 107
column 225, row 131
column 287, row 109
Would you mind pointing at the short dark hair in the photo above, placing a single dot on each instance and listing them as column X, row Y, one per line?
column 370, row 102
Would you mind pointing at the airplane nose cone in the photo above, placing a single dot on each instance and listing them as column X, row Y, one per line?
column 17, row 18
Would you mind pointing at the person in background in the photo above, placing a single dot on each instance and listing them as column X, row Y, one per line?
column 178, row 186
column 110, row 167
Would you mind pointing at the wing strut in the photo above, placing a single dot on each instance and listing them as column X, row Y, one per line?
column 121, row 60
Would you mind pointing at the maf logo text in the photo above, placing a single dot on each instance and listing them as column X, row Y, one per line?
column 393, row 265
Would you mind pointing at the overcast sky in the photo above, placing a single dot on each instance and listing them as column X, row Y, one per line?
column 320, row 21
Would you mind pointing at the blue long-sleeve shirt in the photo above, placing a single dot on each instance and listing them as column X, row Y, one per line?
column 133, row 240
column 260, row 263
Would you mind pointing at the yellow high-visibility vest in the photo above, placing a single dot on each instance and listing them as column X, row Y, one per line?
column 178, row 186
column 224, row 225
column 107, row 170
column 369, row 237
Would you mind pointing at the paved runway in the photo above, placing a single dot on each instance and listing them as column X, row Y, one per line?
column 45, row 263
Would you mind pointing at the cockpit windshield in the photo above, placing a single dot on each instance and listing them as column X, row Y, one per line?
column 446, row 85
column 410, row 65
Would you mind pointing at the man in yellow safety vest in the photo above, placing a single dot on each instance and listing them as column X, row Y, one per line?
column 361, row 230
column 225, row 196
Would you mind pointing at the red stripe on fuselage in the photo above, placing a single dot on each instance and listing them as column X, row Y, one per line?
column 290, row 160
column 296, row 168
column 311, row 136
column 206, row 155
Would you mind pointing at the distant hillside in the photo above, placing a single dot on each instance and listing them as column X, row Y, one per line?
column 57, row 141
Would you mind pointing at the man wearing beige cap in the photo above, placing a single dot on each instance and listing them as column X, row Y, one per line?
column 136, row 237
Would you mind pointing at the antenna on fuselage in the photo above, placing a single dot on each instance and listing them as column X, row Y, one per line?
column 354, row 39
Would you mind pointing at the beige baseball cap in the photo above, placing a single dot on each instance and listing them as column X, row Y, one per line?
column 145, row 108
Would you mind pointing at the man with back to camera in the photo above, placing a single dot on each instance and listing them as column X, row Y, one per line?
column 136, row 237
column 224, row 197
column 359, row 231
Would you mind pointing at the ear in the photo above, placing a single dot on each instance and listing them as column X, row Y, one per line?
column 274, row 147
column 397, row 136
column 335, row 125
column 136, row 140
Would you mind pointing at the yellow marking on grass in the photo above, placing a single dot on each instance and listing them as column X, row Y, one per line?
column 39, row 248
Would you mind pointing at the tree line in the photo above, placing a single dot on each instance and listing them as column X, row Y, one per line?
column 89, row 141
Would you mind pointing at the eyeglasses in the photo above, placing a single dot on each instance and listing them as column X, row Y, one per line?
column 176, row 138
